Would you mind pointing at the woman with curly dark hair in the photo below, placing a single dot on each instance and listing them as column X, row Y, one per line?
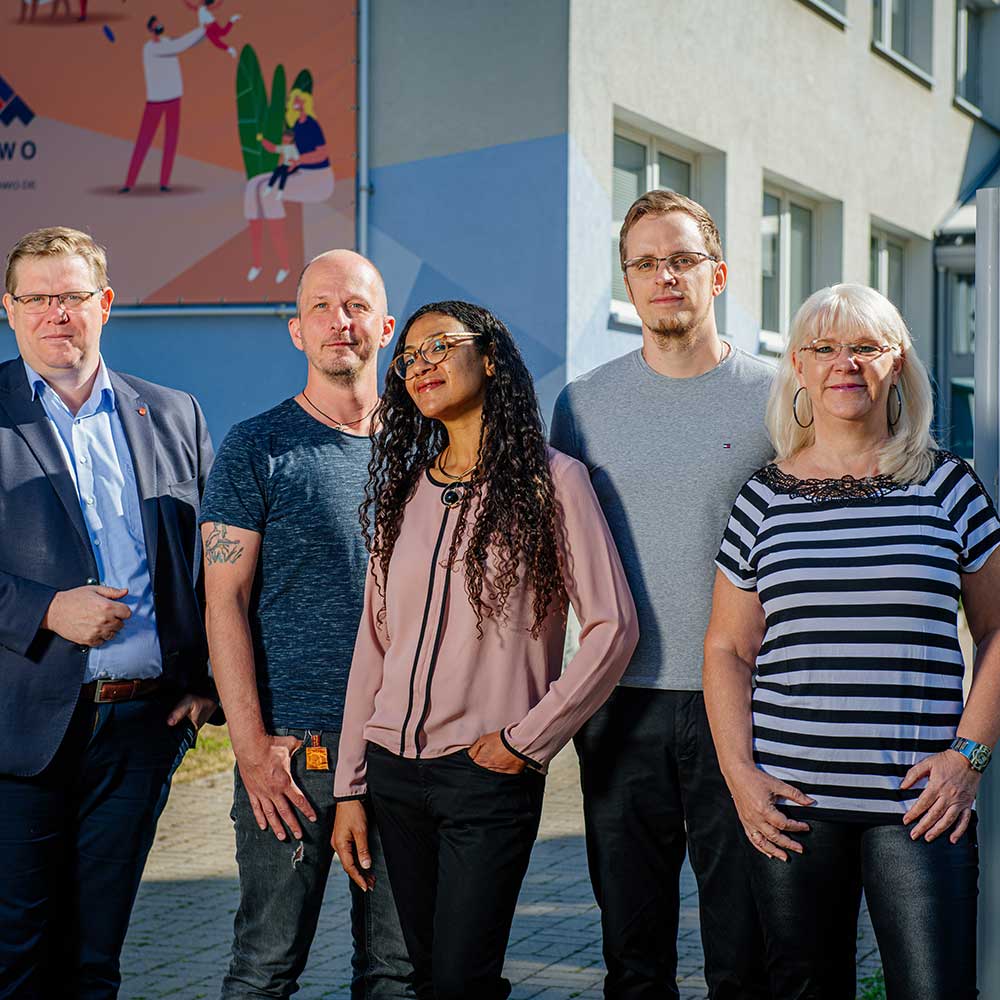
column 479, row 536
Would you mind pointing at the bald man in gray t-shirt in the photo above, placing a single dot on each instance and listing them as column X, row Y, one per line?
column 670, row 433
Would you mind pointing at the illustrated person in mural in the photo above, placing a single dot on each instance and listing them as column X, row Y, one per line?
column 32, row 7
column 311, row 181
column 289, row 154
column 457, row 699
column 102, row 642
column 285, row 577
column 666, row 477
column 164, row 90
column 214, row 31
column 851, row 759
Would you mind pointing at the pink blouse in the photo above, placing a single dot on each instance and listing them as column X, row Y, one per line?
column 422, row 683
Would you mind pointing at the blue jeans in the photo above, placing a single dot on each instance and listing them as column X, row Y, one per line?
column 281, row 893
column 921, row 898
column 73, row 843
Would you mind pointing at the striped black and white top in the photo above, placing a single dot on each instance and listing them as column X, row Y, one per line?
column 859, row 673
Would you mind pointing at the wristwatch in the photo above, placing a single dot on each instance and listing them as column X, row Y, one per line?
column 977, row 754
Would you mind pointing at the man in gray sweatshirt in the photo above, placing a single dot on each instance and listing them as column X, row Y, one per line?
column 669, row 433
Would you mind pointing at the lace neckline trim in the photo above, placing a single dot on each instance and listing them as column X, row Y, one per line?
column 844, row 487
column 819, row 490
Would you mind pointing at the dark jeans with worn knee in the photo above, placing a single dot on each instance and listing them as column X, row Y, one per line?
column 457, row 841
column 652, row 790
column 921, row 898
column 282, row 884
column 73, row 843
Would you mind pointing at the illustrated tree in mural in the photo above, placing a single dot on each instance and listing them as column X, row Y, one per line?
column 258, row 114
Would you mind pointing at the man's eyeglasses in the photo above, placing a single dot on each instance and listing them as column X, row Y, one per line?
column 433, row 350
column 863, row 350
column 677, row 264
column 40, row 302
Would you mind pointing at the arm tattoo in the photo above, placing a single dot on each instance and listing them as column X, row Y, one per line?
column 221, row 549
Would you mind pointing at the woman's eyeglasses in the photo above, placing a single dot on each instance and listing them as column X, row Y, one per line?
column 433, row 350
column 863, row 350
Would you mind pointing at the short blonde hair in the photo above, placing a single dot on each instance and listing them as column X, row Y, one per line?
column 845, row 311
column 291, row 115
column 58, row 241
column 662, row 202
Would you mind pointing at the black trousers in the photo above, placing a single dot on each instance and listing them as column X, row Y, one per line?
column 457, row 840
column 921, row 898
column 652, row 790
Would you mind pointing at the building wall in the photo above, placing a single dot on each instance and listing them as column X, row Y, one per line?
column 469, row 163
column 234, row 365
column 492, row 126
column 770, row 89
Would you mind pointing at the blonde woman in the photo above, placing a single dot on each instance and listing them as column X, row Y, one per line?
column 312, row 181
column 833, row 672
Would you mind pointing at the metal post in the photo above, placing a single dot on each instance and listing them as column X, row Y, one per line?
column 987, row 456
column 364, row 177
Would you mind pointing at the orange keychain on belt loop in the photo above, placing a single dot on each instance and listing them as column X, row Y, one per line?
column 317, row 758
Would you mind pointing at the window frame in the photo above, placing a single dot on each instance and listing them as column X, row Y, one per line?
column 826, row 9
column 963, row 11
column 622, row 310
column 771, row 343
column 882, row 45
column 884, row 239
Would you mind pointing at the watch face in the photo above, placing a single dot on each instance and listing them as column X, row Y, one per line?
column 980, row 757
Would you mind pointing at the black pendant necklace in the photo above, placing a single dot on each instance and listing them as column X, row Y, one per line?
column 452, row 495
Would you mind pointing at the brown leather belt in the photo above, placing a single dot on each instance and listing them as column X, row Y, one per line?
column 114, row 690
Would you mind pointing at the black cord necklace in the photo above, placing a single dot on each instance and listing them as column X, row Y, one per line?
column 341, row 424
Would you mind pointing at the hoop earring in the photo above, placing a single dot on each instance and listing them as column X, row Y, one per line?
column 795, row 399
column 888, row 407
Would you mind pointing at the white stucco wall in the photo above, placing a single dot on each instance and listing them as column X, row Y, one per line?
column 781, row 92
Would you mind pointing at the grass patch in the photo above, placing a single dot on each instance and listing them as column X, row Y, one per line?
column 212, row 753
column 873, row 986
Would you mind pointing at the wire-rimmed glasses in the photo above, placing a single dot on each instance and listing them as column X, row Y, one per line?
column 434, row 349
column 862, row 350
column 676, row 263
column 35, row 303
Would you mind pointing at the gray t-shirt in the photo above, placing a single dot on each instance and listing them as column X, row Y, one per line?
column 297, row 483
column 667, row 457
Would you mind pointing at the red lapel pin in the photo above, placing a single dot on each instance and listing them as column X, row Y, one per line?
column 141, row 411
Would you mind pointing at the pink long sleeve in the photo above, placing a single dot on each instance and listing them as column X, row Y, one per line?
column 609, row 630
column 426, row 685
column 363, row 684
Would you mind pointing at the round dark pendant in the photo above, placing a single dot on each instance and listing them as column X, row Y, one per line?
column 451, row 496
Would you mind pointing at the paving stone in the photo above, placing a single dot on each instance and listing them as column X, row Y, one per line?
column 181, row 933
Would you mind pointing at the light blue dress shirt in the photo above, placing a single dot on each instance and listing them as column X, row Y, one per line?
column 97, row 454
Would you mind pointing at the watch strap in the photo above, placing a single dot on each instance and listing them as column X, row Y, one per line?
column 977, row 754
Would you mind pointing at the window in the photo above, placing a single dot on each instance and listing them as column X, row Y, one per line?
column 641, row 164
column 902, row 30
column 962, row 324
column 968, row 49
column 963, row 314
column 833, row 10
column 787, row 263
column 977, row 68
column 888, row 257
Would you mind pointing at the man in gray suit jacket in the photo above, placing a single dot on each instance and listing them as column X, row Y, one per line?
column 103, row 658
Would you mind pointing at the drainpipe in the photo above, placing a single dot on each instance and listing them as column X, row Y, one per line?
column 363, row 180
column 987, row 451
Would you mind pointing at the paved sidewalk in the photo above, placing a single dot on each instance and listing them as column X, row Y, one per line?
column 181, row 932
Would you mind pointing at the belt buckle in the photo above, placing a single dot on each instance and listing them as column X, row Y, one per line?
column 113, row 694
